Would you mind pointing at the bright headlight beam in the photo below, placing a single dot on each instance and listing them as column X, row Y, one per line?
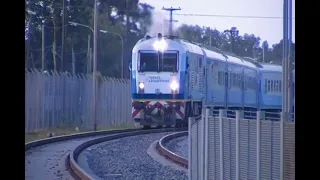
column 160, row 45
column 141, row 85
column 174, row 85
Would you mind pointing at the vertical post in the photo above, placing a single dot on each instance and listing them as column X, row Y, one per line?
column 63, row 34
column 43, row 51
column 263, row 47
column 206, row 148
column 260, row 116
column 89, row 56
column 239, row 115
column 222, row 114
column 290, row 59
column 203, row 117
column 282, row 145
column 95, row 44
column 170, row 23
column 210, row 36
column 73, row 62
column 190, row 148
column 122, row 68
column 284, row 59
column 126, row 51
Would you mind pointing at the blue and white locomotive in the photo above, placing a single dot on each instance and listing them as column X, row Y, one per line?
column 172, row 78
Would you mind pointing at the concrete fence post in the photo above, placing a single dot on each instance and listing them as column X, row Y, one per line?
column 206, row 143
column 222, row 114
column 190, row 148
column 239, row 115
column 260, row 116
column 282, row 119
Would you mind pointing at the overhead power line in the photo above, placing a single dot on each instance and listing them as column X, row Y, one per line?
column 228, row 16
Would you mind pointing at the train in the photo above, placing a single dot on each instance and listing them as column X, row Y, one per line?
column 172, row 78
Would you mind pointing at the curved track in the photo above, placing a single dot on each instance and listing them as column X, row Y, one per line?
column 49, row 158
column 169, row 154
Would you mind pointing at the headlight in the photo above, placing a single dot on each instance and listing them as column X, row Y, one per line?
column 160, row 45
column 174, row 85
column 141, row 85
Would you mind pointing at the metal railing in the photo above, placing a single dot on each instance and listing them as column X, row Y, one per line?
column 239, row 148
column 59, row 99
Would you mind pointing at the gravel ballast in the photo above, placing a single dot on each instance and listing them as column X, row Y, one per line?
column 127, row 158
column 179, row 146
column 48, row 161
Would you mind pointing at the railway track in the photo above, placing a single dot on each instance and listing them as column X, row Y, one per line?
column 56, row 158
column 169, row 154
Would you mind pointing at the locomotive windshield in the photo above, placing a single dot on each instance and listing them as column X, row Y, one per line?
column 148, row 62
column 158, row 62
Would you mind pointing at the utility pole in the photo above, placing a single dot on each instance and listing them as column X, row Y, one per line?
column 95, row 45
column 63, row 34
column 42, row 48
column 263, row 47
column 233, row 33
column 126, row 51
column 73, row 62
column 285, row 61
column 89, row 56
column 31, row 13
column 290, row 61
column 171, row 10
column 210, row 36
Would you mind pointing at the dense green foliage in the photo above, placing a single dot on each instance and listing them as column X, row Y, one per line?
column 112, row 17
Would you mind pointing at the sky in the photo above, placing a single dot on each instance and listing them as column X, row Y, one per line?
column 269, row 29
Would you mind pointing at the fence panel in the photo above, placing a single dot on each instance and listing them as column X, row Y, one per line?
column 196, row 148
column 289, row 149
column 60, row 99
column 240, row 160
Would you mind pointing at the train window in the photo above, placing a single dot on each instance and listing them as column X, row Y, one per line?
column 187, row 63
column 276, row 86
column 169, row 62
column 148, row 62
column 200, row 62
column 233, row 80
column 237, row 80
column 280, row 86
column 265, row 85
column 271, row 86
column 223, row 78
column 241, row 81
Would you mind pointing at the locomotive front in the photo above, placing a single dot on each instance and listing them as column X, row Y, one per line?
column 157, row 97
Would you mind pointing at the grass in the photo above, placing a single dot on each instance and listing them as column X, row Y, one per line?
column 43, row 133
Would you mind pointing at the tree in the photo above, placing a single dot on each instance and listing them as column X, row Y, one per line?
column 112, row 16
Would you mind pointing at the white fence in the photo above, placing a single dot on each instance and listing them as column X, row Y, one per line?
column 235, row 148
column 57, row 99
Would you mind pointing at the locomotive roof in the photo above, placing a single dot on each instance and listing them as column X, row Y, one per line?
column 270, row 67
column 173, row 43
column 193, row 48
column 214, row 55
column 179, row 44
column 240, row 61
